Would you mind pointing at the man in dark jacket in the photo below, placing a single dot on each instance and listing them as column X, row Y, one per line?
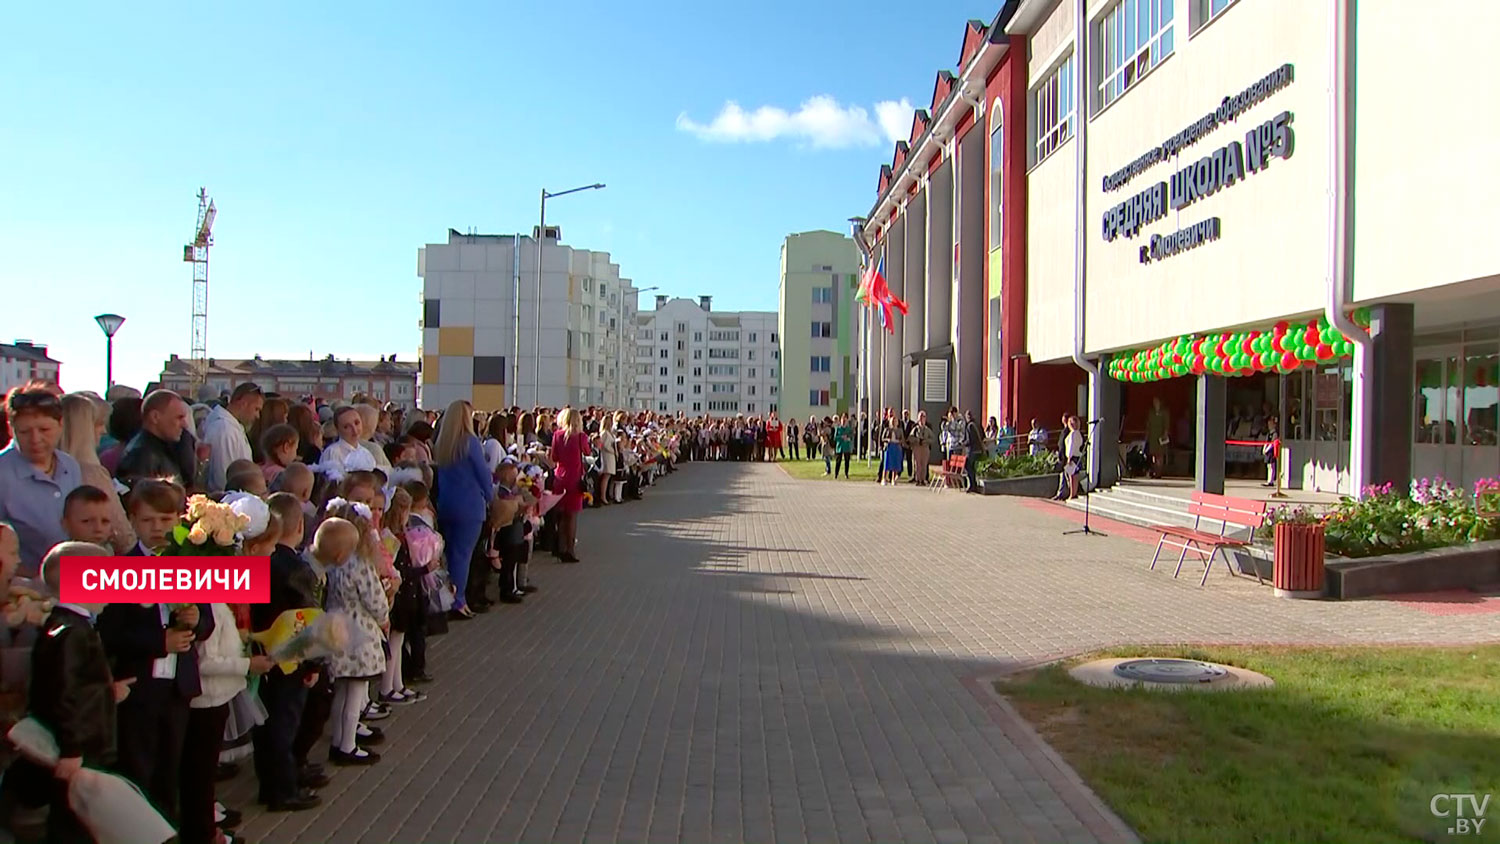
column 974, row 437
column 165, row 446
column 153, row 643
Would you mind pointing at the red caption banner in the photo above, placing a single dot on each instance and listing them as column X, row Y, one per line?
column 165, row 580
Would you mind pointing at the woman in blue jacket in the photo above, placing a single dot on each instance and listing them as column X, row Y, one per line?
column 464, row 490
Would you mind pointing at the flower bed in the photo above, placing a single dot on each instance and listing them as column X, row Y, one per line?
column 1433, row 514
column 1018, row 466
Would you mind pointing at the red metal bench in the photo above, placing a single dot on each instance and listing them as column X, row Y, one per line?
column 1229, row 513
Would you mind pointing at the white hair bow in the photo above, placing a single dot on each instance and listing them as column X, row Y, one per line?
column 251, row 507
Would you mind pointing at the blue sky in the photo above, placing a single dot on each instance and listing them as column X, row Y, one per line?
column 336, row 138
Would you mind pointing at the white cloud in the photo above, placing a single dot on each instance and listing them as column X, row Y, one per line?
column 820, row 122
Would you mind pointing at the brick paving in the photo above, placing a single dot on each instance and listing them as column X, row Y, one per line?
column 743, row 657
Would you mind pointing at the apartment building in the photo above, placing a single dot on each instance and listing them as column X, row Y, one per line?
column 819, row 324
column 695, row 360
column 486, row 339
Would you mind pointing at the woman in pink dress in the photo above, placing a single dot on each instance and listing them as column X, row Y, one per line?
column 569, row 445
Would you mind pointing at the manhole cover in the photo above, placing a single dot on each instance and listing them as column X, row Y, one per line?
column 1170, row 671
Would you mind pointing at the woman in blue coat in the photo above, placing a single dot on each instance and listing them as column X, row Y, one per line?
column 464, row 490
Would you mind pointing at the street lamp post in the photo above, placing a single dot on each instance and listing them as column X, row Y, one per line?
column 536, row 339
column 109, row 324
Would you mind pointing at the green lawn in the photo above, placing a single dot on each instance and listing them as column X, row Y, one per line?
column 813, row 470
column 1350, row 746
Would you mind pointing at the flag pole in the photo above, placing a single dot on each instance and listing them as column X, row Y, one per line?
column 856, row 226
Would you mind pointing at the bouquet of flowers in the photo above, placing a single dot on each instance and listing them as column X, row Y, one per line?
column 425, row 547
column 211, row 529
column 113, row 809
column 306, row 634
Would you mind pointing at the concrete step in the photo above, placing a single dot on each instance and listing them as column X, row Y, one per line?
column 1137, row 506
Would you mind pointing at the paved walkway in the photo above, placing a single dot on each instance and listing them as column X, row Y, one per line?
column 743, row 657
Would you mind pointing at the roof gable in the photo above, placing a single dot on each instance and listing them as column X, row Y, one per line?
column 903, row 149
column 919, row 121
column 885, row 179
column 941, row 89
column 974, row 35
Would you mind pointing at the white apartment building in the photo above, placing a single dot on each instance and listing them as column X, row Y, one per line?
column 698, row 361
column 24, row 361
column 472, row 288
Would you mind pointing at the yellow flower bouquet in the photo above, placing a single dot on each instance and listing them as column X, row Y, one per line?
column 211, row 529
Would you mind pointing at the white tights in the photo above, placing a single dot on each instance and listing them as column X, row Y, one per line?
column 349, row 699
column 390, row 682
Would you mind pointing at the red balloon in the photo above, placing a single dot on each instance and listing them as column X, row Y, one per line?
column 1324, row 351
column 1276, row 342
column 1248, row 346
column 1281, row 327
column 1289, row 361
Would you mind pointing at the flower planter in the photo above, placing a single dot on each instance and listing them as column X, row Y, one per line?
column 1299, row 570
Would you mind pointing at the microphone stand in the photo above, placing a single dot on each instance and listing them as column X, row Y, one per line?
column 1086, row 530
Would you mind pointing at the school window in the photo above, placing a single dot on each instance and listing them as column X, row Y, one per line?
column 661, row 405
column 679, row 398
column 1052, row 110
column 774, row 391
column 752, row 389
column 1133, row 37
column 750, row 355
column 697, row 372
column 722, row 388
column 822, row 363
column 750, row 408
column 602, row 290
column 663, row 354
column 1206, row 10
column 601, row 370
column 773, row 338
column 822, row 295
column 697, row 336
column 681, row 345
column 664, row 336
column 697, row 389
column 697, row 354
column 697, row 406
column 752, row 372
column 822, row 329
column 773, row 405
column 663, row 372
column 752, row 336
column 661, row 388
column 679, row 380
column 681, row 327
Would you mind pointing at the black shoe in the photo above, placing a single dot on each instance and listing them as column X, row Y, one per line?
column 529, row 589
column 300, row 802
column 312, row 780
column 232, row 818
column 360, row 756
column 226, row 771
column 512, row 598
column 568, row 558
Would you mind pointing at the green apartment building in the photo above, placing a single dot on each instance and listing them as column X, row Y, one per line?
column 819, row 323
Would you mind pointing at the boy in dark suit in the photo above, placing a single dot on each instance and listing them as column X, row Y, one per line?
column 283, row 787
column 72, row 693
column 153, row 644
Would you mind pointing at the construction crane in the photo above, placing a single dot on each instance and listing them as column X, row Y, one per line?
column 196, row 253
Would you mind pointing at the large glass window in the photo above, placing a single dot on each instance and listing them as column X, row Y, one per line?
column 997, row 175
column 1133, row 37
column 1052, row 110
column 1481, row 395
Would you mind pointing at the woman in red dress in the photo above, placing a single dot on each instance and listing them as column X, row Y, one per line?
column 569, row 445
column 773, row 438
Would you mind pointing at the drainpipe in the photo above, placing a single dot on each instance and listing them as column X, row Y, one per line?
column 1340, row 209
column 1081, row 76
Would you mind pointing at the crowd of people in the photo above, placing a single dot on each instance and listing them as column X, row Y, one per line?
column 400, row 521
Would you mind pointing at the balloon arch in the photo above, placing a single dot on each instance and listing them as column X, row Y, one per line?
column 1286, row 347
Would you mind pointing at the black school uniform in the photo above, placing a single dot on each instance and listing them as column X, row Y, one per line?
column 72, row 694
column 293, row 587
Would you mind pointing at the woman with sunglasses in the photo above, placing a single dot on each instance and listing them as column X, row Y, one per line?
column 35, row 476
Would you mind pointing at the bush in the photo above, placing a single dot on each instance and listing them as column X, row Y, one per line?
column 1018, row 465
column 1434, row 515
